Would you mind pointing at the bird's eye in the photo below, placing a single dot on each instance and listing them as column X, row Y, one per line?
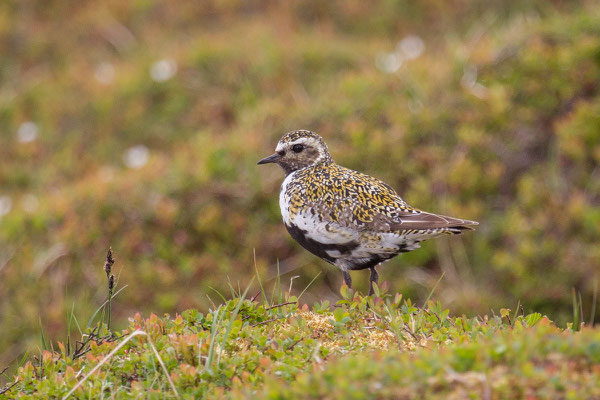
column 297, row 148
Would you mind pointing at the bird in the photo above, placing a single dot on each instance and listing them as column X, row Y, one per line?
column 349, row 219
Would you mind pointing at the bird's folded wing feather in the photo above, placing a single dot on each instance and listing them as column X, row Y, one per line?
column 370, row 204
column 424, row 220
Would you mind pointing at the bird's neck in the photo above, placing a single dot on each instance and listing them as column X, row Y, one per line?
column 320, row 164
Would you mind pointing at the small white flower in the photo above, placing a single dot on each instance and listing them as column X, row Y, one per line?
column 469, row 81
column 105, row 73
column 136, row 156
column 27, row 132
column 469, row 77
column 5, row 205
column 163, row 70
column 388, row 62
column 411, row 47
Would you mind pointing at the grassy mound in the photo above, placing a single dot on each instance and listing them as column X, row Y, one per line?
column 362, row 347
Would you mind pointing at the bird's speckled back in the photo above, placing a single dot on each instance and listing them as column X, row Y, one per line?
column 344, row 196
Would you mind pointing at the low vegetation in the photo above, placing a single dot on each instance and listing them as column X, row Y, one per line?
column 139, row 124
column 382, row 346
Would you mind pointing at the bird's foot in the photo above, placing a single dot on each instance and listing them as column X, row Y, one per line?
column 373, row 280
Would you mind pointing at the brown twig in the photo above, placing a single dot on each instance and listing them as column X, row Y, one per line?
column 264, row 322
column 295, row 343
column 407, row 329
column 8, row 387
column 83, row 347
column 281, row 305
column 79, row 345
column 268, row 308
column 432, row 313
column 255, row 296
column 38, row 374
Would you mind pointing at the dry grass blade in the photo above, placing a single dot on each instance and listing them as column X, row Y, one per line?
column 114, row 351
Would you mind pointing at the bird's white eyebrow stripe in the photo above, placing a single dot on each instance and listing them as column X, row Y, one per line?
column 303, row 140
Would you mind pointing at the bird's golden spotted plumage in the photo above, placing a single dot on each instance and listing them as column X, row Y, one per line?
column 349, row 219
column 351, row 198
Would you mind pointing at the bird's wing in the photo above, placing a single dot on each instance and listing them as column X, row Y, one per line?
column 368, row 203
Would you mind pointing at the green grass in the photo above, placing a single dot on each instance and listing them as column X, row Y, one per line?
column 361, row 347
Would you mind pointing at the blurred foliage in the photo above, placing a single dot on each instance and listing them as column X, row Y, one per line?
column 138, row 125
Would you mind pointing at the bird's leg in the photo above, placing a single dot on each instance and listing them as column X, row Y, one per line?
column 374, row 277
column 347, row 279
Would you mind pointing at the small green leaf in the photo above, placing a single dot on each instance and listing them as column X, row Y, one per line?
column 532, row 319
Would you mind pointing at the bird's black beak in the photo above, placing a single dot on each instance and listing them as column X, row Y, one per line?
column 271, row 159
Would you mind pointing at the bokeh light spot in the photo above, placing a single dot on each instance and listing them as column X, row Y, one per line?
column 105, row 73
column 388, row 62
column 5, row 205
column 27, row 132
column 411, row 47
column 163, row 70
column 136, row 156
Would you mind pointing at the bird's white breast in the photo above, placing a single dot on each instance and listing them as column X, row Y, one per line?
column 284, row 199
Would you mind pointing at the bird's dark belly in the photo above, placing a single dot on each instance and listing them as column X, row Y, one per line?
column 365, row 263
column 317, row 248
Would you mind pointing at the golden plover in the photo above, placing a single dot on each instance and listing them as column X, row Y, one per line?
column 350, row 219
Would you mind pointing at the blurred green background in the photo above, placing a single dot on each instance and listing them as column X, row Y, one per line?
column 138, row 124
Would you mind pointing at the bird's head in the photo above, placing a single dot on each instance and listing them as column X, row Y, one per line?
column 297, row 150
